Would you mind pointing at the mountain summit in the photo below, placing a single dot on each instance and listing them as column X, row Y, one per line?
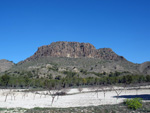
column 74, row 50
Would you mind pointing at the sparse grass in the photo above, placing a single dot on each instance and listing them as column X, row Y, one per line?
column 120, row 108
column 1, row 109
column 12, row 110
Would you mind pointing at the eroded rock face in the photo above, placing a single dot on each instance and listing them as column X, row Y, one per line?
column 74, row 50
column 5, row 65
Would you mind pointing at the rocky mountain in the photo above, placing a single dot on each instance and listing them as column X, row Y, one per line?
column 75, row 50
column 5, row 65
column 84, row 59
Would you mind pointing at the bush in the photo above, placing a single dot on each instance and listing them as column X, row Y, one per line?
column 134, row 103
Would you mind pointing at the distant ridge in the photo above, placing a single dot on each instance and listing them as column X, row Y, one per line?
column 5, row 65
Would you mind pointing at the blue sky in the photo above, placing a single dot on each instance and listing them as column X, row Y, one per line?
column 123, row 25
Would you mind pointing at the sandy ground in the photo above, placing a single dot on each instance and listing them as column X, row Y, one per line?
column 74, row 98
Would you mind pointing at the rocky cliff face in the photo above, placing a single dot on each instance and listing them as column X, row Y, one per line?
column 5, row 65
column 74, row 50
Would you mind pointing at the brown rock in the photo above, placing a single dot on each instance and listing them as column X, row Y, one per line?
column 74, row 50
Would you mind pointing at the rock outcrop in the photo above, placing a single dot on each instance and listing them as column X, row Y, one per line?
column 74, row 50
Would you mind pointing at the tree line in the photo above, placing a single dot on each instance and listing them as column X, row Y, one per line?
column 70, row 80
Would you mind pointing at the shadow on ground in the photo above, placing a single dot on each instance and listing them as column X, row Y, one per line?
column 144, row 96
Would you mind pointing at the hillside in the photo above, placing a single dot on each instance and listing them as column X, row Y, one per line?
column 5, row 65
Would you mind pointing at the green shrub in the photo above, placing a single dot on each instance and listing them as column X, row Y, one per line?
column 134, row 103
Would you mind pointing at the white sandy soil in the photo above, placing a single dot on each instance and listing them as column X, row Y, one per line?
column 74, row 98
